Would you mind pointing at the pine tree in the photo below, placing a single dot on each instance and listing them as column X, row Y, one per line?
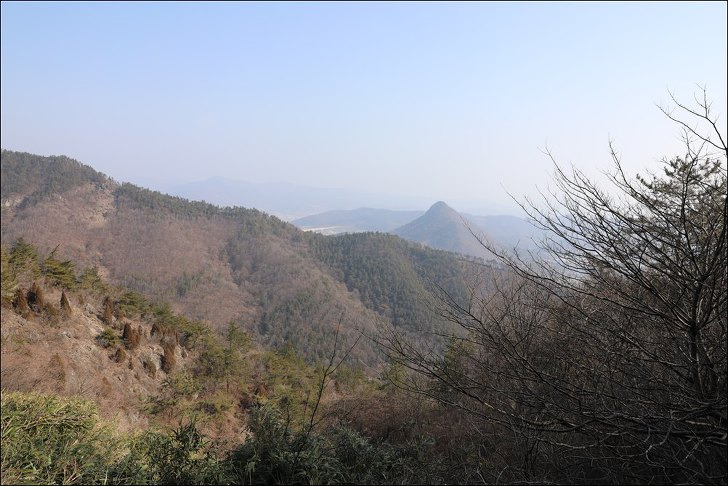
column 59, row 272
column 90, row 280
column 24, row 260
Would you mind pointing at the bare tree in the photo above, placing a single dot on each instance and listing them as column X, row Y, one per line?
column 605, row 357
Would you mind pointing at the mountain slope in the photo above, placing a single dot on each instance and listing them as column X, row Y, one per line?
column 356, row 220
column 217, row 264
column 442, row 227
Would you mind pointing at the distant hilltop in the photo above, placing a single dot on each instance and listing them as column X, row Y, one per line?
column 440, row 227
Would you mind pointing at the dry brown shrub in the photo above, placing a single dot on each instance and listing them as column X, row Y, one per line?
column 20, row 302
column 108, row 314
column 157, row 329
column 165, row 333
column 119, row 355
column 35, row 297
column 6, row 302
column 169, row 360
column 150, row 367
column 131, row 364
column 131, row 336
column 66, row 310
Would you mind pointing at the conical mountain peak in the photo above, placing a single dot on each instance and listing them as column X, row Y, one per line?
column 441, row 207
column 442, row 227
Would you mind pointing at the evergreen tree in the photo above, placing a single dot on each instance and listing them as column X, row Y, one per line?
column 24, row 260
column 59, row 272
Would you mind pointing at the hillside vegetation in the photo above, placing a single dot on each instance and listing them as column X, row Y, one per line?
column 150, row 340
column 280, row 284
column 102, row 384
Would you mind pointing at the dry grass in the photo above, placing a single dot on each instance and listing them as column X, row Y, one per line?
column 68, row 360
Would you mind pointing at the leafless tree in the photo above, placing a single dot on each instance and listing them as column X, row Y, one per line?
column 604, row 357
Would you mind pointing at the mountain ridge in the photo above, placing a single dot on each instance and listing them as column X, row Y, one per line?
column 218, row 264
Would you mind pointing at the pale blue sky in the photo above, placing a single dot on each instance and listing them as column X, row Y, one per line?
column 452, row 101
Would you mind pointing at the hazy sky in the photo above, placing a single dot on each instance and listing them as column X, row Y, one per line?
column 441, row 100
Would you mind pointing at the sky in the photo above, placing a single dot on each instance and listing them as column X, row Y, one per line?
column 453, row 101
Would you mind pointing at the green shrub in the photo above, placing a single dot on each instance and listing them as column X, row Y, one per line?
column 108, row 338
column 278, row 454
column 178, row 389
column 48, row 439
column 184, row 456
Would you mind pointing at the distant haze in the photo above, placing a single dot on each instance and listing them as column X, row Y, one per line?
column 289, row 201
column 418, row 101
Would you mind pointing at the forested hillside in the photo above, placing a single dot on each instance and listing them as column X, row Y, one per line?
column 391, row 276
column 282, row 285
column 102, row 384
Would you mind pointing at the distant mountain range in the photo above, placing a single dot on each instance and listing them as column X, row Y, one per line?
column 357, row 220
column 291, row 201
column 439, row 227
column 284, row 200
